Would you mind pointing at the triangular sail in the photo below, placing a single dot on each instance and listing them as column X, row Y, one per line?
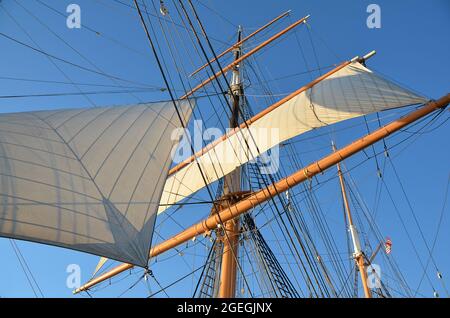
column 350, row 92
column 87, row 179
column 102, row 261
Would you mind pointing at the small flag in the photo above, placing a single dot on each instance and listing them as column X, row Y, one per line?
column 388, row 245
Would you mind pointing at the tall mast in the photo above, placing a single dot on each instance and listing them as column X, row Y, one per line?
column 358, row 254
column 240, row 42
column 244, row 56
column 232, row 184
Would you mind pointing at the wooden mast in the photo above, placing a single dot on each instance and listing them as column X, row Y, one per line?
column 358, row 254
column 232, row 184
column 283, row 185
column 240, row 42
column 244, row 56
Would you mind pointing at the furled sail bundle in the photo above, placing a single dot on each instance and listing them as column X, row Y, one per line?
column 87, row 179
column 350, row 92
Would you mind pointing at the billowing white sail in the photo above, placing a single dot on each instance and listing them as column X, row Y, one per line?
column 87, row 179
column 350, row 92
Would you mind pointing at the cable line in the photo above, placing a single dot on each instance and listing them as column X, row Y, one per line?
column 67, row 61
column 26, row 270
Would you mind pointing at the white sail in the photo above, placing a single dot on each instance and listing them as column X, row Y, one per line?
column 87, row 179
column 350, row 92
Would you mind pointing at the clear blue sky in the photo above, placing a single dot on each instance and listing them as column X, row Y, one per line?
column 412, row 48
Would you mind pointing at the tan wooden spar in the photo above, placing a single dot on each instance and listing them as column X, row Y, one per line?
column 358, row 254
column 263, row 195
column 232, row 184
column 244, row 56
column 239, row 43
column 229, row 266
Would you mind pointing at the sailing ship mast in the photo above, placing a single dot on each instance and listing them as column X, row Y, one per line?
column 358, row 254
column 244, row 56
column 232, row 185
column 238, row 45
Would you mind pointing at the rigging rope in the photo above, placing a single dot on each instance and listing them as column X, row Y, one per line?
column 26, row 270
column 38, row 50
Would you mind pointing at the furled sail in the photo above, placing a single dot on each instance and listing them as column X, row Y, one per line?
column 87, row 179
column 350, row 92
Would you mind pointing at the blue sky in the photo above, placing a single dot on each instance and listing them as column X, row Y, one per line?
column 412, row 46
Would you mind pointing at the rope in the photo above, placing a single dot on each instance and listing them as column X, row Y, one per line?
column 26, row 270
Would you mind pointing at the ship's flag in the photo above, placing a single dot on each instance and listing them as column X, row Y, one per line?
column 388, row 245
